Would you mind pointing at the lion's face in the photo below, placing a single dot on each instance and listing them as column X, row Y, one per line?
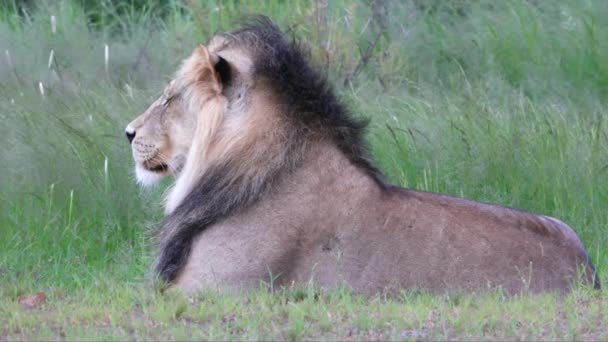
column 160, row 137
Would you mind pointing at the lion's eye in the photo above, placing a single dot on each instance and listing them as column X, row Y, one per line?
column 166, row 101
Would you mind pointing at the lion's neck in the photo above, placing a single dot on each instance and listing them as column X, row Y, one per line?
column 327, row 173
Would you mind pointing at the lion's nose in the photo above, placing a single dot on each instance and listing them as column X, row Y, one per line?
column 130, row 135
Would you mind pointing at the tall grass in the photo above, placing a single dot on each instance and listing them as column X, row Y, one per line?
column 503, row 102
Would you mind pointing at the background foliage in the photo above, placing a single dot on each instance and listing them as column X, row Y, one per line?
column 502, row 102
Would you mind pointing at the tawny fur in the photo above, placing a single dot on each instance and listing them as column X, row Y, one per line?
column 266, row 190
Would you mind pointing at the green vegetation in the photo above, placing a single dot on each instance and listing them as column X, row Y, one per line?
column 109, row 311
column 502, row 102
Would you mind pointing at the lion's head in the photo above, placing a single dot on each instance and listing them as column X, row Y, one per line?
column 248, row 102
column 178, row 134
column 162, row 136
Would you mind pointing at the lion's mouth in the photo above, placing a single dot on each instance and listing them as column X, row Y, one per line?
column 155, row 165
column 162, row 167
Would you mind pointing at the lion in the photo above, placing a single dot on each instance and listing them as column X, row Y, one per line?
column 274, row 183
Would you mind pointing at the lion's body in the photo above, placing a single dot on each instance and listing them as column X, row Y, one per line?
column 330, row 225
column 277, row 187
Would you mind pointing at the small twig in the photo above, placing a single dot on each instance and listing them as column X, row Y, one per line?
column 379, row 19
column 106, row 57
column 365, row 58
column 321, row 27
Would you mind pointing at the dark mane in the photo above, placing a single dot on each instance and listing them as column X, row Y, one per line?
column 309, row 99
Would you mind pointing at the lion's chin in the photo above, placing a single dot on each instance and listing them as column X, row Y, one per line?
column 147, row 177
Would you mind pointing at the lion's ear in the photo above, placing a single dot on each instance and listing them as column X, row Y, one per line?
column 223, row 70
column 203, row 54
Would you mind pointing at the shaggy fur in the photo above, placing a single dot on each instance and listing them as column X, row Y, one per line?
column 273, row 176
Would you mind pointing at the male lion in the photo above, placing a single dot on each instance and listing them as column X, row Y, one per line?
column 274, row 183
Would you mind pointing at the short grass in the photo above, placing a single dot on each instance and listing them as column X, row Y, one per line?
column 111, row 311
column 502, row 102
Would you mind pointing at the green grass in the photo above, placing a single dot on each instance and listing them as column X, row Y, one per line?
column 126, row 312
column 502, row 102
